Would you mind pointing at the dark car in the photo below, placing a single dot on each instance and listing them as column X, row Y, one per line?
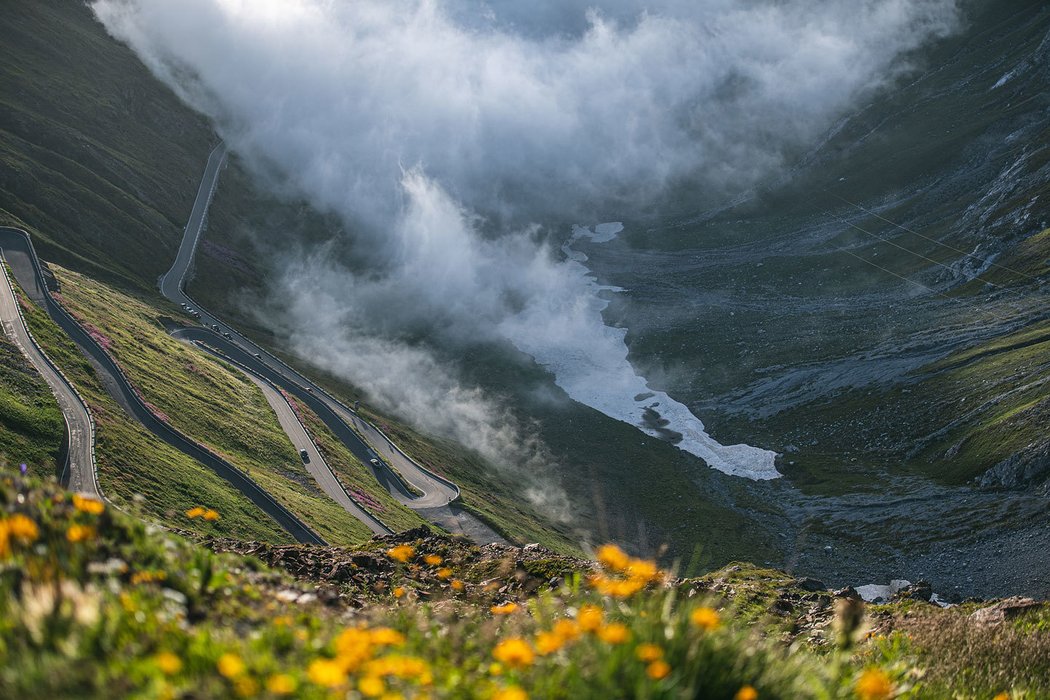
column 305, row 456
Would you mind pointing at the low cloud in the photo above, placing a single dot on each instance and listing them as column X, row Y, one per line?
column 449, row 134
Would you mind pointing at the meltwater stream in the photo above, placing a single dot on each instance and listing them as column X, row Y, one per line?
column 592, row 368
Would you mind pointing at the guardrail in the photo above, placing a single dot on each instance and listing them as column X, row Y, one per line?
column 288, row 520
column 244, row 368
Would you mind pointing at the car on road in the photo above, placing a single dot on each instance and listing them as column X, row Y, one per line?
column 374, row 461
column 226, row 335
column 305, row 456
column 215, row 326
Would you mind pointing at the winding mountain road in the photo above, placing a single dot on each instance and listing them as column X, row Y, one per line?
column 18, row 249
column 429, row 494
column 79, row 472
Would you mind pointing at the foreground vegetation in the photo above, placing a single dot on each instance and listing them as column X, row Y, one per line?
column 31, row 425
column 95, row 603
column 136, row 469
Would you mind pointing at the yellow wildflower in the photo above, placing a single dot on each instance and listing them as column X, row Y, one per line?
column 5, row 544
column 614, row 633
column 746, row 693
column 230, row 665
column 510, row 693
column 326, row 672
column 567, row 630
column 168, row 663
column 353, row 647
column 589, row 618
column 649, row 652
column 400, row 666
column 612, row 557
column 371, row 686
column 22, row 528
column 1002, row 696
column 642, row 570
column 457, row 585
column 80, row 533
column 658, row 669
column 384, row 636
column 444, row 574
column 514, row 652
column 399, row 591
column 433, row 559
column 210, row 515
column 873, row 684
column 548, row 643
column 283, row 621
column 705, row 618
column 505, row 609
column 495, row 669
column 401, row 553
column 281, row 684
column 86, row 504
column 195, row 512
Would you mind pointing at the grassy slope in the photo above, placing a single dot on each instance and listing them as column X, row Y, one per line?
column 31, row 424
column 215, row 405
column 133, row 463
column 150, row 614
column 356, row 477
column 98, row 160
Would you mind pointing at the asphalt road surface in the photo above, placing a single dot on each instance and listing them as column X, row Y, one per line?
column 79, row 426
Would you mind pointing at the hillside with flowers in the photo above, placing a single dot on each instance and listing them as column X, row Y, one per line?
column 97, row 603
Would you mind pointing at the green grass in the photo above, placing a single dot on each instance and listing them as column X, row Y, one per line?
column 214, row 404
column 140, row 472
column 125, row 611
column 99, row 160
column 31, row 425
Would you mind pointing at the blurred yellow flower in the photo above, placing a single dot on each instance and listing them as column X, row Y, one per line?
column 457, row 585
column 195, row 512
column 614, row 633
column 230, row 665
column 326, row 672
column 495, row 669
column 657, row 669
column 612, row 557
column 210, row 515
column 168, row 663
column 385, row 636
column 548, row 643
column 589, row 618
column 649, row 652
column 568, row 630
column 399, row 591
column 371, row 686
column 1002, row 696
column 22, row 528
column 444, row 574
column 281, row 684
column 505, row 609
column 401, row 553
column 874, row 684
column 705, row 618
column 433, row 559
column 86, row 504
column 80, row 533
column 746, row 693
column 514, row 652
column 642, row 570
column 510, row 693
